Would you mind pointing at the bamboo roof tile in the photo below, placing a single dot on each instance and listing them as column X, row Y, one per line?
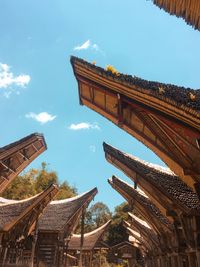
column 90, row 239
column 177, row 96
column 133, row 195
column 13, row 212
column 162, row 178
column 60, row 213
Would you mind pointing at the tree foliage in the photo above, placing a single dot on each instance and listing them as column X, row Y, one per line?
column 34, row 182
column 117, row 233
column 97, row 215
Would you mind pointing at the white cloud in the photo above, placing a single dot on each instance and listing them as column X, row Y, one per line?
column 84, row 126
column 42, row 117
column 86, row 45
column 95, row 47
column 7, row 78
column 92, row 148
column 8, row 81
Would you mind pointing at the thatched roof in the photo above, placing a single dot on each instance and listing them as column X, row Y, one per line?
column 23, row 212
column 144, row 229
column 141, row 90
column 135, row 234
column 16, row 156
column 189, row 10
column 90, row 239
column 162, row 178
column 134, row 196
column 60, row 214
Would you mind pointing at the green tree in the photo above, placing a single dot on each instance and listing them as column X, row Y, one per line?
column 34, row 182
column 22, row 187
column 117, row 233
column 95, row 216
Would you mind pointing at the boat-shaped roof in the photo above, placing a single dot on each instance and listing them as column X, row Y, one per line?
column 134, row 196
column 90, row 239
column 18, row 155
column 14, row 212
column 151, row 93
column 61, row 213
column 162, row 178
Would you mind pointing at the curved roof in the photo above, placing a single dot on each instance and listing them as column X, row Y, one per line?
column 176, row 96
column 132, row 195
column 90, row 239
column 188, row 10
column 16, row 156
column 139, row 237
column 60, row 213
column 163, row 179
column 144, row 229
column 13, row 212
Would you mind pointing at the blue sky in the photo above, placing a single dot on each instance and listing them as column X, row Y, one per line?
column 38, row 91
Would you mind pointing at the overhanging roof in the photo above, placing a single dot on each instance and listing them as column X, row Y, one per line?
column 90, row 239
column 164, row 117
column 22, row 214
column 144, row 229
column 62, row 214
column 142, row 205
column 168, row 184
column 189, row 10
column 18, row 155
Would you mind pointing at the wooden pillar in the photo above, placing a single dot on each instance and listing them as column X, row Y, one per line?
column 180, row 260
column 82, row 238
column 198, row 258
column 91, row 255
column 173, row 261
column 33, row 245
column 5, row 255
column 192, row 259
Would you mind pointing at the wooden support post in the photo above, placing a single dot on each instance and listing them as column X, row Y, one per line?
column 192, row 259
column 33, row 245
column 5, row 255
column 198, row 258
column 82, row 238
column 180, row 260
column 173, row 261
column 100, row 258
column 91, row 255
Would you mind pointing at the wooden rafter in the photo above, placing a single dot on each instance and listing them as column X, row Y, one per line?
column 165, row 125
column 16, row 156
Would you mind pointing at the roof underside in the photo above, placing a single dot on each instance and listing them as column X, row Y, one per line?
column 164, row 180
column 16, row 156
column 177, row 96
column 90, row 239
column 189, row 10
column 59, row 213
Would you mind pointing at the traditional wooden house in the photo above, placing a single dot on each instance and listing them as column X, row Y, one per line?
column 18, row 220
column 127, row 251
column 55, row 227
column 91, row 244
column 18, row 155
column 165, row 117
column 142, row 205
column 175, row 199
column 188, row 10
